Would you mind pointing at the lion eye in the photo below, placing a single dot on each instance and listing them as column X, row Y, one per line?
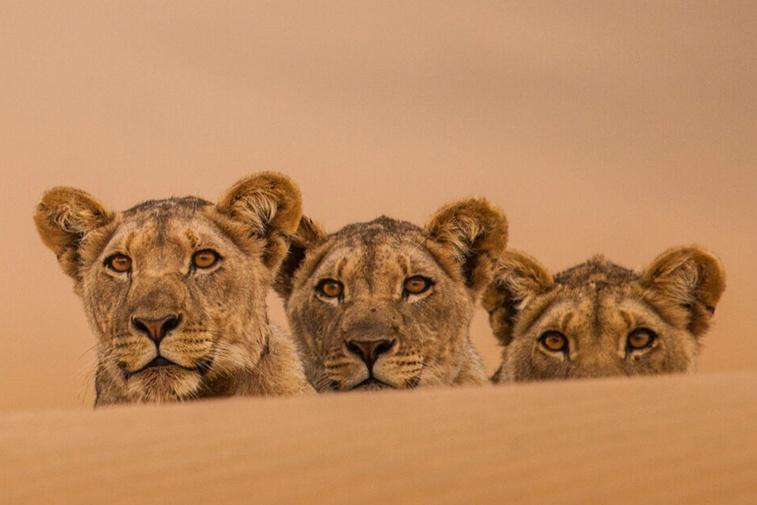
column 416, row 285
column 554, row 341
column 640, row 338
column 118, row 263
column 330, row 288
column 205, row 258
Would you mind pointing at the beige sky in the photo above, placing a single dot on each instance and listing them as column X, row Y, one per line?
column 621, row 128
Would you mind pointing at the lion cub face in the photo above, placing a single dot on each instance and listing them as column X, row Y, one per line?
column 174, row 289
column 387, row 303
column 599, row 319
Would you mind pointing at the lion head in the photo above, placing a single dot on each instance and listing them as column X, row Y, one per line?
column 175, row 289
column 388, row 303
column 600, row 319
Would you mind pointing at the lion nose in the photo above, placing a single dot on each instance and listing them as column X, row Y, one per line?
column 370, row 350
column 156, row 329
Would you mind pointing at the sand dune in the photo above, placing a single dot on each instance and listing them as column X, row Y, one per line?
column 686, row 439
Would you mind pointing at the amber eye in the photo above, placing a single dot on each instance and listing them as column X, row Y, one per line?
column 330, row 288
column 118, row 263
column 416, row 285
column 640, row 338
column 554, row 341
column 205, row 258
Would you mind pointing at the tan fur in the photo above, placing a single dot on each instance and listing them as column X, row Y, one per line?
column 596, row 306
column 223, row 344
column 427, row 333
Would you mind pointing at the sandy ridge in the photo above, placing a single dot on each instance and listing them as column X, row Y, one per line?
column 687, row 439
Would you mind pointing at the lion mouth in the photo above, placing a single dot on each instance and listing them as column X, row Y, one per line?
column 158, row 362
column 161, row 362
column 371, row 383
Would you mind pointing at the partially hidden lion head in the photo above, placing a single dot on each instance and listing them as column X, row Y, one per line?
column 174, row 289
column 389, row 304
column 599, row 319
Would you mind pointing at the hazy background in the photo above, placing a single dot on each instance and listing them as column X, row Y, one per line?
column 621, row 128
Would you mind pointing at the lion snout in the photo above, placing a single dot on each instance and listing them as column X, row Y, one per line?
column 156, row 328
column 370, row 350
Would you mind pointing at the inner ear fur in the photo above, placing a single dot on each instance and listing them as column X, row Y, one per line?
column 517, row 278
column 309, row 235
column 266, row 205
column 475, row 232
column 64, row 217
column 689, row 277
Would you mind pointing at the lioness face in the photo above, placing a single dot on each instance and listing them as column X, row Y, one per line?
column 597, row 331
column 174, row 289
column 598, row 319
column 384, row 305
column 160, row 296
column 379, row 311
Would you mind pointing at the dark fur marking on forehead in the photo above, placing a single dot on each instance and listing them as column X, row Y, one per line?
column 186, row 205
column 381, row 230
column 597, row 319
column 371, row 230
column 597, row 271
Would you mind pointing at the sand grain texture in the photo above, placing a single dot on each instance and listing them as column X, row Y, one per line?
column 688, row 439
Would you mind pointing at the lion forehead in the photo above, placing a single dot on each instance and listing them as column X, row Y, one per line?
column 186, row 205
column 179, row 223
column 378, row 260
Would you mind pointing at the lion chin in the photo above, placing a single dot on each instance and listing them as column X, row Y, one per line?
column 163, row 384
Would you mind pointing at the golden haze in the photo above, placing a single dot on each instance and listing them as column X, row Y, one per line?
column 597, row 127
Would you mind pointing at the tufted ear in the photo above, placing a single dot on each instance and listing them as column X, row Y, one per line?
column 309, row 235
column 266, row 205
column 475, row 232
column 518, row 277
column 64, row 217
column 688, row 277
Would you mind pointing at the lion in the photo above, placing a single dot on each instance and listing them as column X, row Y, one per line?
column 175, row 289
column 388, row 304
column 599, row 319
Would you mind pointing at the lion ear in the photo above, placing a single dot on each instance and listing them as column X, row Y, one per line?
column 691, row 278
column 475, row 232
column 309, row 234
column 268, row 205
column 64, row 217
column 517, row 278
